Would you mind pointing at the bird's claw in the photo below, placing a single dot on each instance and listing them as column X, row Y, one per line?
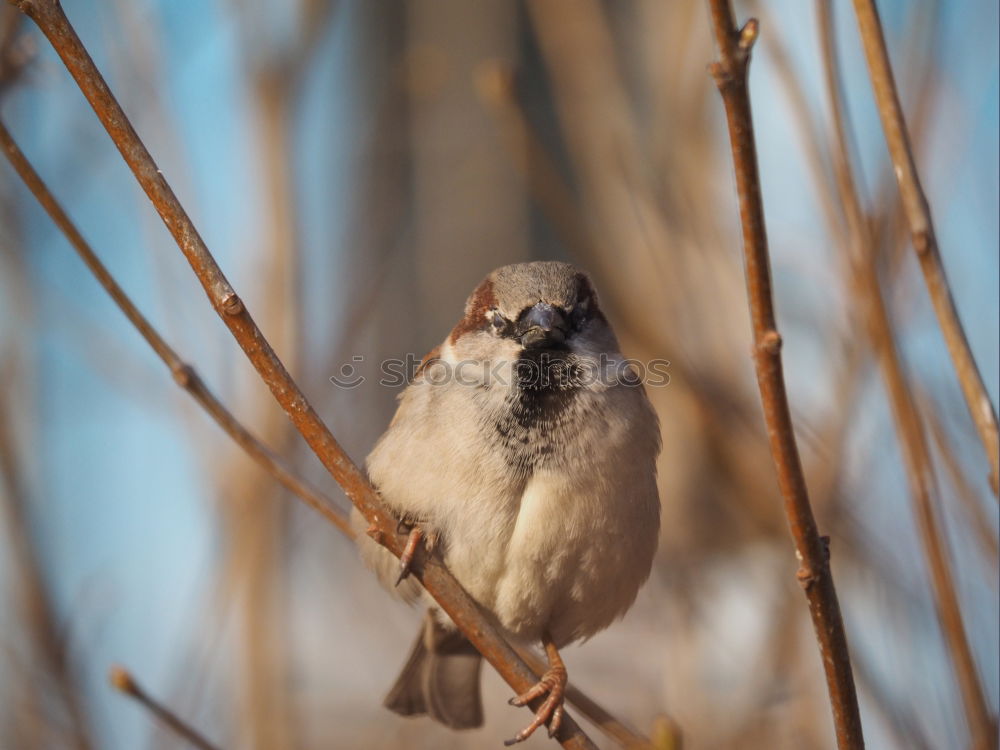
column 553, row 683
column 416, row 536
column 409, row 550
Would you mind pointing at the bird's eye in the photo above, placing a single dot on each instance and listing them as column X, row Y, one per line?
column 579, row 314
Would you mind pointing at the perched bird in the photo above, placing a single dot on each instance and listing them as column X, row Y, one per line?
column 524, row 449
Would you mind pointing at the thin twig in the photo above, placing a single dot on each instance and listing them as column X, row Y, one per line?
column 122, row 681
column 922, row 31
column 184, row 375
column 730, row 75
column 918, row 217
column 909, row 427
column 464, row 612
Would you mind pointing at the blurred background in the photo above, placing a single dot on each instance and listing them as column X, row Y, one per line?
column 357, row 167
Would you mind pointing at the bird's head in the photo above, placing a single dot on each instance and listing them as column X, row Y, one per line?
column 541, row 311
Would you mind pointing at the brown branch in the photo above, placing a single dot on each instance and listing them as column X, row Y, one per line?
column 184, row 375
column 730, row 75
column 918, row 217
column 122, row 681
column 889, row 225
column 50, row 19
column 909, row 428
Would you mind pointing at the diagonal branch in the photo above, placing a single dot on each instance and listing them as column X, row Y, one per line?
column 50, row 19
column 918, row 217
column 122, row 681
column 730, row 75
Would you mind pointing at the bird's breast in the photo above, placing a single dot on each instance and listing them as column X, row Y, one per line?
column 532, row 424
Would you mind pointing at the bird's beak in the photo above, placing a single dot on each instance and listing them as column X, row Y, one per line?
column 542, row 326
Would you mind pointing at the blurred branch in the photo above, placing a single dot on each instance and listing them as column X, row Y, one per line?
column 666, row 734
column 730, row 75
column 534, row 164
column 184, row 375
column 39, row 610
column 256, row 560
column 918, row 217
column 122, row 681
column 47, row 640
column 12, row 60
column 51, row 20
column 909, row 429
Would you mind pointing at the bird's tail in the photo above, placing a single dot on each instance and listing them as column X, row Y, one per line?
column 440, row 678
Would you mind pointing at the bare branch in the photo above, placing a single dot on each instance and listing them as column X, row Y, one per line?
column 465, row 613
column 730, row 75
column 909, row 428
column 918, row 216
column 122, row 681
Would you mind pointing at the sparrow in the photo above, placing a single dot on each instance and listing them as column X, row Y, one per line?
column 523, row 452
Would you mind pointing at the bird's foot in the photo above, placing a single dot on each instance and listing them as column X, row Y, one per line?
column 416, row 536
column 553, row 684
